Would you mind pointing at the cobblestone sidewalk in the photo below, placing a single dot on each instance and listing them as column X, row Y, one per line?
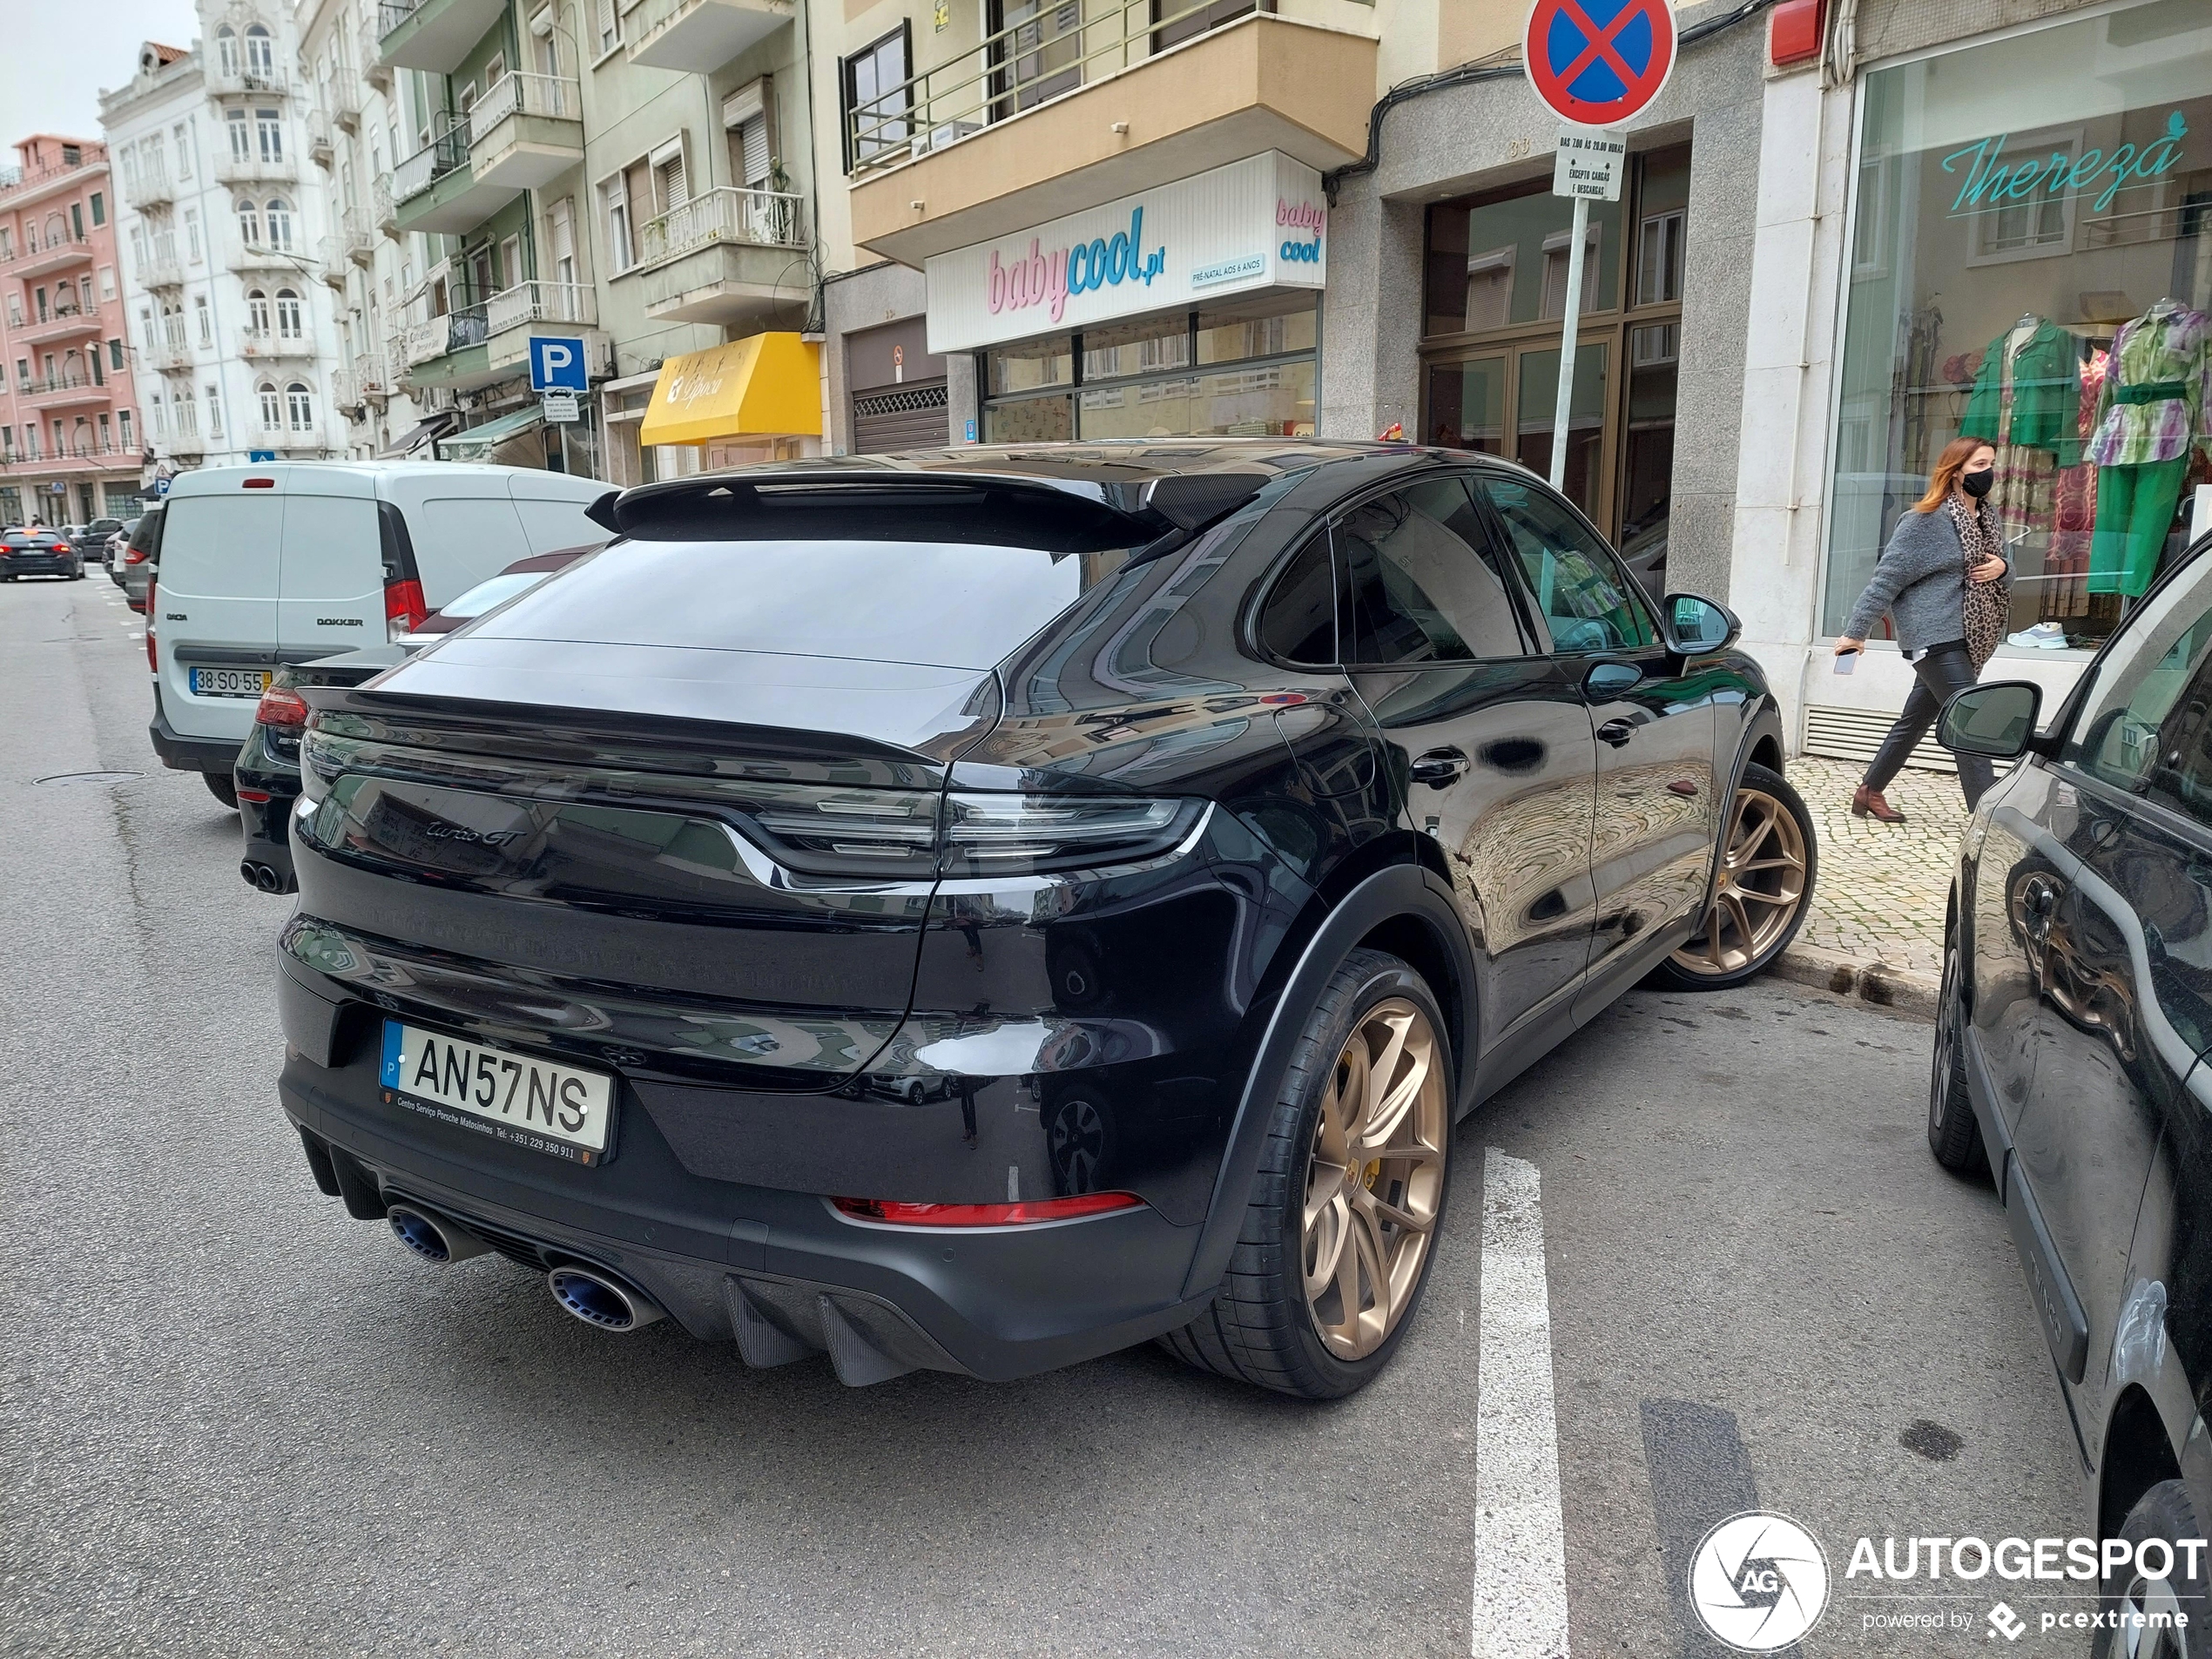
column 1880, row 892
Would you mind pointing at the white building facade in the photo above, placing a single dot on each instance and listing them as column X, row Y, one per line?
column 222, row 223
column 355, row 133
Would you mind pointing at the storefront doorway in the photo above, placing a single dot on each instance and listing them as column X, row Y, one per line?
column 1495, row 301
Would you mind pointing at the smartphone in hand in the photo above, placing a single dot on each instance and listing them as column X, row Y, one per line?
column 1847, row 662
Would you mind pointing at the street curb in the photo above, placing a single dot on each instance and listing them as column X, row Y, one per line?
column 1897, row 990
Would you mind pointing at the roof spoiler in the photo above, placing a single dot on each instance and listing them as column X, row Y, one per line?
column 1078, row 515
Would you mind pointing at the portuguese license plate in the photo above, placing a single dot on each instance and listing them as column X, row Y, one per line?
column 562, row 1110
column 229, row 682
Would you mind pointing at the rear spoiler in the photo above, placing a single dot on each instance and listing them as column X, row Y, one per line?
column 1077, row 516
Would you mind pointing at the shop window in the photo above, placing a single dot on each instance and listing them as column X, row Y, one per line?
column 1274, row 327
column 2042, row 288
column 1032, row 364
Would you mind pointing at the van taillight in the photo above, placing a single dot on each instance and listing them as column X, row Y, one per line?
column 404, row 611
column 153, row 662
column 280, row 707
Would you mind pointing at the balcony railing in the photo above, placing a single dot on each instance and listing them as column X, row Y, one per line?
column 1053, row 53
column 380, row 207
column 161, row 269
column 421, row 340
column 254, row 170
column 20, row 185
column 390, row 14
column 56, row 253
column 330, row 253
column 345, row 390
column 434, row 161
column 374, row 69
column 167, row 355
column 515, row 94
column 60, row 323
column 453, row 331
column 319, row 145
column 91, row 453
column 761, row 217
column 150, row 187
column 246, row 78
column 372, row 376
column 261, row 344
column 40, row 387
column 342, row 96
column 528, row 302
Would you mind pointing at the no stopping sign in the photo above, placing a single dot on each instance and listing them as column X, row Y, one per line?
column 1597, row 63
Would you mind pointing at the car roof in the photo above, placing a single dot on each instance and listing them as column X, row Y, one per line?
column 211, row 481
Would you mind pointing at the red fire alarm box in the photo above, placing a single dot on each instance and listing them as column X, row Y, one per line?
column 1793, row 32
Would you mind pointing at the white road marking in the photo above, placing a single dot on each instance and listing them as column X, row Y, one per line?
column 1520, row 1540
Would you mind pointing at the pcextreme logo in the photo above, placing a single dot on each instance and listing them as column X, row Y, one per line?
column 1759, row 1582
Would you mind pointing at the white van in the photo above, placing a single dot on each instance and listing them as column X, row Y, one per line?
column 289, row 561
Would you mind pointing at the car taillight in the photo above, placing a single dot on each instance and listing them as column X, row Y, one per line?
column 1013, row 835
column 403, row 610
column 986, row 1215
column 136, row 555
column 280, row 707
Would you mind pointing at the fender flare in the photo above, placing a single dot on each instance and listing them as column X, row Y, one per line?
column 1763, row 720
column 1400, row 890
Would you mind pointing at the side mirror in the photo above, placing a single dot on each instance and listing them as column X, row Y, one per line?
column 1997, row 720
column 1697, row 627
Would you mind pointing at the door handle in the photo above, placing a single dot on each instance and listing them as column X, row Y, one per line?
column 1616, row 732
column 1438, row 767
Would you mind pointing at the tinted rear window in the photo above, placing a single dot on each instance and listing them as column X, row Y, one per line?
column 953, row 604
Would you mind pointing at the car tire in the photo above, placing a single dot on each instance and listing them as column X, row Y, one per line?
column 223, row 786
column 1770, row 857
column 2163, row 1512
column 1954, row 1133
column 1311, row 1197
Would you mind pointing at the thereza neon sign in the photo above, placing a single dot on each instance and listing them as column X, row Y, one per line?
column 1993, row 179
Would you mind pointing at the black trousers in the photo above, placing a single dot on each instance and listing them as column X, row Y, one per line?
column 1945, row 669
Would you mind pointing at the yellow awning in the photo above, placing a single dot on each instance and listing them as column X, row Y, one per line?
column 762, row 385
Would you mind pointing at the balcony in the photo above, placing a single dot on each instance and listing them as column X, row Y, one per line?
column 726, row 256
column 530, row 303
column 345, row 390
column 267, row 256
column 374, row 69
column 39, row 183
column 167, row 357
column 150, row 188
column 58, row 253
column 702, row 35
column 320, row 148
column 372, row 376
column 330, row 254
column 246, row 80
column 185, row 445
column 361, row 241
column 433, row 35
column 89, row 456
column 1021, row 130
column 161, row 271
column 525, row 132
column 61, row 325
column 272, row 346
column 415, row 176
column 450, row 351
column 284, row 437
column 255, row 170
column 342, row 96
column 62, row 391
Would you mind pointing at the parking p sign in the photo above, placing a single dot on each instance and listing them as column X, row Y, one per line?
column 556, row 364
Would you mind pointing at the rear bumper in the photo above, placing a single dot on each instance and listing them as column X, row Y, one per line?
column 181, row 754
column 267, row 823
column 52, row 565
column 782, row 1273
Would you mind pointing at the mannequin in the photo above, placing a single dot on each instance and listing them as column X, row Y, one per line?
column 2151, row 414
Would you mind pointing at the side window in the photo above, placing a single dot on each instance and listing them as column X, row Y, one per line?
column 1298, row 623
column 1420, row 583
column 1584, row 598
column 2144, row 725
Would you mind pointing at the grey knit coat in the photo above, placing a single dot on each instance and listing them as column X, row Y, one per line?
column 1921, row 582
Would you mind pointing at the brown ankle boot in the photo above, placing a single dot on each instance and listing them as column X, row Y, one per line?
column 1868, row 803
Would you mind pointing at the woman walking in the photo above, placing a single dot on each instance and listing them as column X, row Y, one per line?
column 1942, row 580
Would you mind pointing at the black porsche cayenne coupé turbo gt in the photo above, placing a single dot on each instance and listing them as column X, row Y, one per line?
column 979, row 910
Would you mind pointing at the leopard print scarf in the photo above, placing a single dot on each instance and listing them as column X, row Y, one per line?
column 1984, row 605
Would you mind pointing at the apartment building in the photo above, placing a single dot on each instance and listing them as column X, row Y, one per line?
column 354, row 132
column 621, row 172
column 222, row 214
column 69, row 422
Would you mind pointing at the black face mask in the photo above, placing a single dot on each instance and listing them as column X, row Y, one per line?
column 1977, row 483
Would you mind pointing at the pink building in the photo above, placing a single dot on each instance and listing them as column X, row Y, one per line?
column 70, row 441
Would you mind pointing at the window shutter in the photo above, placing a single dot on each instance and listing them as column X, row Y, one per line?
column 606, row 24
column 669, row 175
column 753, row 142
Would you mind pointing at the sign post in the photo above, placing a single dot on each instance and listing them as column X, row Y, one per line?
column 1594, row 65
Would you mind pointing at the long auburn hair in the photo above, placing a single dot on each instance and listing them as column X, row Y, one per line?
column 1952, row 461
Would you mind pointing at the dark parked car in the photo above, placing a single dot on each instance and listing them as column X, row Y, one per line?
column 978, row 910
column 39, row 553
column 91, row 539
column 2072, row 1032
column 142, row 557
column 267, row 776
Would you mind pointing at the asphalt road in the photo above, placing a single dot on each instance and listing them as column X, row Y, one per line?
column 233, row 1421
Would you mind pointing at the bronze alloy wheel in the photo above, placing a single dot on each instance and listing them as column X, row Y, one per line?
column 1762, row 886
column 1374, row 1184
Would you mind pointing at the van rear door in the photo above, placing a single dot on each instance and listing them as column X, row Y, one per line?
column 215, row 607
column 551, row 505
column 331, row 583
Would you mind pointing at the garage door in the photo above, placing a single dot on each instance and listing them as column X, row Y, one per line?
column 906, row 417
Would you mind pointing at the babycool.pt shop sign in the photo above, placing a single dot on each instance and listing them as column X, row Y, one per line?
column 1260, row 223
